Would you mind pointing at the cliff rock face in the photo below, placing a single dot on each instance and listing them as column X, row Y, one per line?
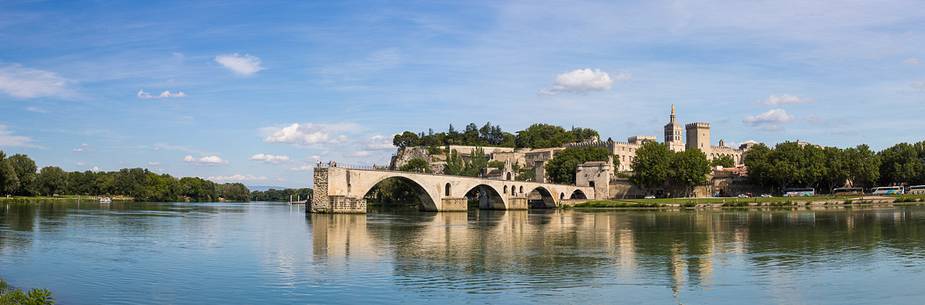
column 403, row 155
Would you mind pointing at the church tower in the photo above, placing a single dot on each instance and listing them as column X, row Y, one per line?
column 673, row 133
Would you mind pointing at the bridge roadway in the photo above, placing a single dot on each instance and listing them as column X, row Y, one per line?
column 343, row 190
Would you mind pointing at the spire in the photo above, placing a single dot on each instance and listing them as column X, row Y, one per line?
column 672, row 110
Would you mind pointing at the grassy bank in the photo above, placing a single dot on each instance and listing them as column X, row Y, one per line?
column 748, row 202
column 61, row 198
column 15, row 296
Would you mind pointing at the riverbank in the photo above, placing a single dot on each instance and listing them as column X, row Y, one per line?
column 61, row 198
column 725, row 202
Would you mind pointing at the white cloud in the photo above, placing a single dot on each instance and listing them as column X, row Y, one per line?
column 206, row 160
column 360, row 154
column 303, row 168
column 21, row 82
column 81, row 148
column 165, row 94
column 912, row 61
column 8, row 139
column 786, row 99
column 268, row 158
column 237, row 177
column 378, row 142
column 240, row 64
column 773, row 117
column 308, row 133
column 584, row 80
column 154, row 163
column 919, row 85
column 36, row 109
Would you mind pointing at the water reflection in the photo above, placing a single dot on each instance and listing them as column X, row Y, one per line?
column 274, row 254
column 480, row 251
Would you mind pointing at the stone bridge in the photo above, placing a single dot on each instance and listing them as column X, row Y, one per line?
column 343, row 190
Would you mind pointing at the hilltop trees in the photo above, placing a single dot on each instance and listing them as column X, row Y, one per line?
column 545, row 136
column 535, row 136
column 561, row 169
column 903, row 162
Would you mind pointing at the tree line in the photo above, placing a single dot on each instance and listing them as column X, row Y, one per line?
column 19, row 176
column 282, row 195
column 535, row 136
column 792, row 164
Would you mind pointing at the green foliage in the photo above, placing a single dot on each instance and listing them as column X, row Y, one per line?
column 561, row 169
column 138, row 183
column 51, row 180
column 487, row 135
column 791, row 165
column 471, row 166
column 650, row 167
column 687, row 169
column 11, row 296
column 281, row 195
column 545, row 136
column 903, row 163
column 9, row 182
column 416, row 165
column 724, row 161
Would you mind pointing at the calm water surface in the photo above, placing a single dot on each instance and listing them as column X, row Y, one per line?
column 262, row 253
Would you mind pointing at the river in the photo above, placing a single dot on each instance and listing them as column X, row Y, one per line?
column 267, row 253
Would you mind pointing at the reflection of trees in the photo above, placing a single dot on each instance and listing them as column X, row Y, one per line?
column 555, row 249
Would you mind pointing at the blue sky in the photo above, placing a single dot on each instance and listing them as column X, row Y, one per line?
column 257, row 91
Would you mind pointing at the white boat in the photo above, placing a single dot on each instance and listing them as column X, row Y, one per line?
column 105, row 200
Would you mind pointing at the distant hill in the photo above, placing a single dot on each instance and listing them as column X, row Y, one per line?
column 264, row 188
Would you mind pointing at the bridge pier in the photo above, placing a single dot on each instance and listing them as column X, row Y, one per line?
column 454, row 204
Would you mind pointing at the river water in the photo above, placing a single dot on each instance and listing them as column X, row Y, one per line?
column 264, row 253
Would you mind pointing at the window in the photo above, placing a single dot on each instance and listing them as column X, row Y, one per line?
column 446, row 192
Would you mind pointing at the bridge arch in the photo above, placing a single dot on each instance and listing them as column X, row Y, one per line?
column 578, row 194
column 488, row 197
column 540, row 198
column 427, row 201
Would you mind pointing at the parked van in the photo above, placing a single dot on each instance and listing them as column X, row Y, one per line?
column 888, row 190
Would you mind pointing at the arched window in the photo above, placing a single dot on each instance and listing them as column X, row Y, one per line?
column 521, row 189
column 505, row 189
column 509, row 176
column 561, row 196
column 446, row 191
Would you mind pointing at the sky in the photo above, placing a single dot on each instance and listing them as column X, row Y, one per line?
column 258, row 91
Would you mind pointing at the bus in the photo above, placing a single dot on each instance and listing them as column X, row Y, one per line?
column 800, row 192
column 888, row 190
column 848, row 191
column 916, row 189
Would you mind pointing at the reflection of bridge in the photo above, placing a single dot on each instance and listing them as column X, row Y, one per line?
column 342, row 190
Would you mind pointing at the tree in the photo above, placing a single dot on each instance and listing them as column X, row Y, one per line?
column 583, row 134
column 416, row 165
column 561, row 169
column 9, row 182
column 724, row 161
column 51, row 180
column 863, row 166
column 542, row 136
column 650, row 167
column 406, row 139
column 758, row 161
column 25, row 172
column 687, row 169
column 901, row 163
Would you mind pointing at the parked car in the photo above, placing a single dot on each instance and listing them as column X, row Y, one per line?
column 765, row 195
column 743, row 196
column 650, row 197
